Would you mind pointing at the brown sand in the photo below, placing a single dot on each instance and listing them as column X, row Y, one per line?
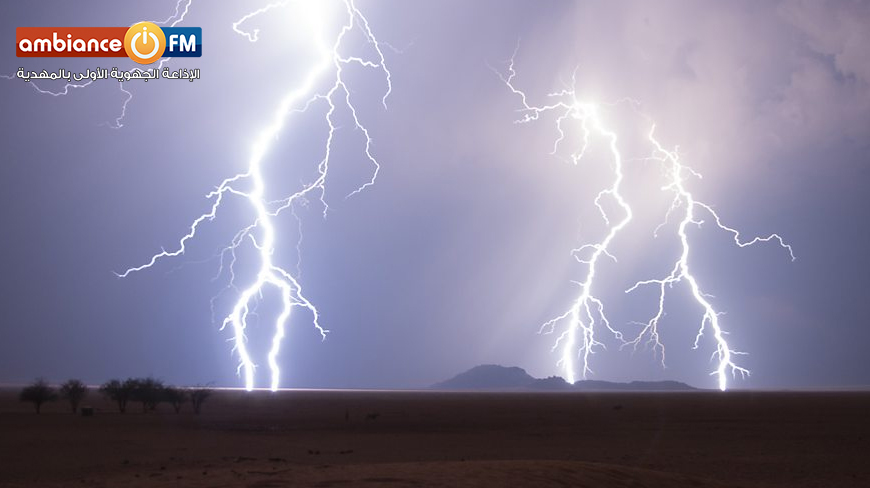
column 349, row 438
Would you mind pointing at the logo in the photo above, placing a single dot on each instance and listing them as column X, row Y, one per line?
column 144, row 42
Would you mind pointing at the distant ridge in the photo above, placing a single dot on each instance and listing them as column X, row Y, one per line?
column 488, row 376
column 503, row 378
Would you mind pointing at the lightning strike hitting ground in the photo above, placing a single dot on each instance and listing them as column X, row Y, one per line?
column 261, row 233
column 587, row 311
column 684, row 199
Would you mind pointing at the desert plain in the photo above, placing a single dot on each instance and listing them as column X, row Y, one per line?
column 316, row 438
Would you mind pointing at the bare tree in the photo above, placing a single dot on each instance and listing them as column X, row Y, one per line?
column 118, row 392
column 73, row 391
column 38, row 393
column 198, row 396
column 175, row 397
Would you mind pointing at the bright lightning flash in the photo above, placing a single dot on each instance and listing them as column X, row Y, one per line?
column 587, row 312
column 261, row 232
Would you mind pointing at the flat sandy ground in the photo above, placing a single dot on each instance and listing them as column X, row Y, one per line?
column 370, row 438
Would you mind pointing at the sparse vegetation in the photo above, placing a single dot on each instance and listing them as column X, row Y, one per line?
column 38, row 393
column 73, row 391
column 148, row 391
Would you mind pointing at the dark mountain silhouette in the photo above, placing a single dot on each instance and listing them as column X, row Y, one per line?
column 495, row 377
column 667, row 385
column 487, row 376
column 552, row 383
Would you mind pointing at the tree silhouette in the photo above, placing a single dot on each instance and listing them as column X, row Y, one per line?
column 38, row 393
column 73, row 391
column 148, row 391
column 175, row 397
column 198, row 396
column 118, row 392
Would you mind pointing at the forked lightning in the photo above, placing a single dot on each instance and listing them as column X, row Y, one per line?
column 579, row 339
column 261, row 233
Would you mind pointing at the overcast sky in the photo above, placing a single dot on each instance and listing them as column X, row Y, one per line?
column 461, row 250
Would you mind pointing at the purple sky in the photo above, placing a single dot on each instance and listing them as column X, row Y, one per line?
column 461, row 250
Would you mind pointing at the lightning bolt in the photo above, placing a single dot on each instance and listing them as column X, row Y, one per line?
column 681, row 271
column 587, row 313
column 261, row 233
column 587, row 310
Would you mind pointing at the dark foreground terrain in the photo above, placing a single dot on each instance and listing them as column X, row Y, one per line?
column 370, row 438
